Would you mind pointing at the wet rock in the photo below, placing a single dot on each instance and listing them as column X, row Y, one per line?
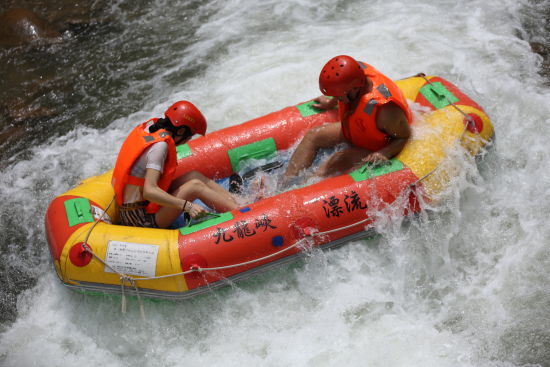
column 20, row 113
column 28, row 78
column 10, row 134
column 17, row 115
column 543, row 50
column 22, row 27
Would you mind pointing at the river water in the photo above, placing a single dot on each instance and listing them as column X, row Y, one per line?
column 465, row 284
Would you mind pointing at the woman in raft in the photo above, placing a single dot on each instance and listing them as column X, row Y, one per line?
column 146, row 191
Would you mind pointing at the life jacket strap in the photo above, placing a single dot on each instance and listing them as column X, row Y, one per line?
column 136, row 181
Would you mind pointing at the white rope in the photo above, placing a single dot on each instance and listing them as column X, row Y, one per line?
column 130, row 278
column 123, row 277
column 341, row 228
column 123, row 297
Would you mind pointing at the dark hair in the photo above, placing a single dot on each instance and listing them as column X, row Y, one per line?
column 162, row 123
column 166, row 124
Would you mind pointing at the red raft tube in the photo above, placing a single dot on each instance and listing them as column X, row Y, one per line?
column 92, row 253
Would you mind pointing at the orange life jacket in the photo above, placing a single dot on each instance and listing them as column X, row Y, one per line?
column 134, row 145
column 359, row 126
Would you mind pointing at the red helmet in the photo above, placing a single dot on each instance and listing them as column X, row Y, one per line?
column 184, row 113
column 340, row 75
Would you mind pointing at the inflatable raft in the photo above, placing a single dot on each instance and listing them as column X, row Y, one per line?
column 92, row 253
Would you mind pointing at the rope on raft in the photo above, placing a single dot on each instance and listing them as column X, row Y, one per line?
column 123, row 277
column 199, row 269
column 132, row 280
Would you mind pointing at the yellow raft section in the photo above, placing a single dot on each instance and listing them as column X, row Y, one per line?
column 99, row 190
column 435, row 135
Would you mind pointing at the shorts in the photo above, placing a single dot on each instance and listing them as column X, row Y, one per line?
column 135, row 215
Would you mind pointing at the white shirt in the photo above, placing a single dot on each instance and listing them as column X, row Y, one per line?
column 153, row 157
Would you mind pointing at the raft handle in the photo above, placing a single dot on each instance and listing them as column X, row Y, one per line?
column 208, row 214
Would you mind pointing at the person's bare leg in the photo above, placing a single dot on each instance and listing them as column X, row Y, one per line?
column 195, row 175
column 196, row 189
column 325, row 136
column 166, row 216
column 190, row 191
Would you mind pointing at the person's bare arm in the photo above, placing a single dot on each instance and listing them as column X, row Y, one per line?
column 325, row 103
column 324, row 136
column 153, row 193
column 391, row 120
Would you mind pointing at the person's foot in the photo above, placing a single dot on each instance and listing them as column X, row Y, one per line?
column 258, row 187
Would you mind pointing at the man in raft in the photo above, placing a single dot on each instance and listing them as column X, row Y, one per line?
column 374, row 118
column 146, row 190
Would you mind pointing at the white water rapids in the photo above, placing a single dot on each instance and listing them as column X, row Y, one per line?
column 465, row 284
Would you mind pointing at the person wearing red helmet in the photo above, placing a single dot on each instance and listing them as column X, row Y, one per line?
column 143, row 177
column 374, row 119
